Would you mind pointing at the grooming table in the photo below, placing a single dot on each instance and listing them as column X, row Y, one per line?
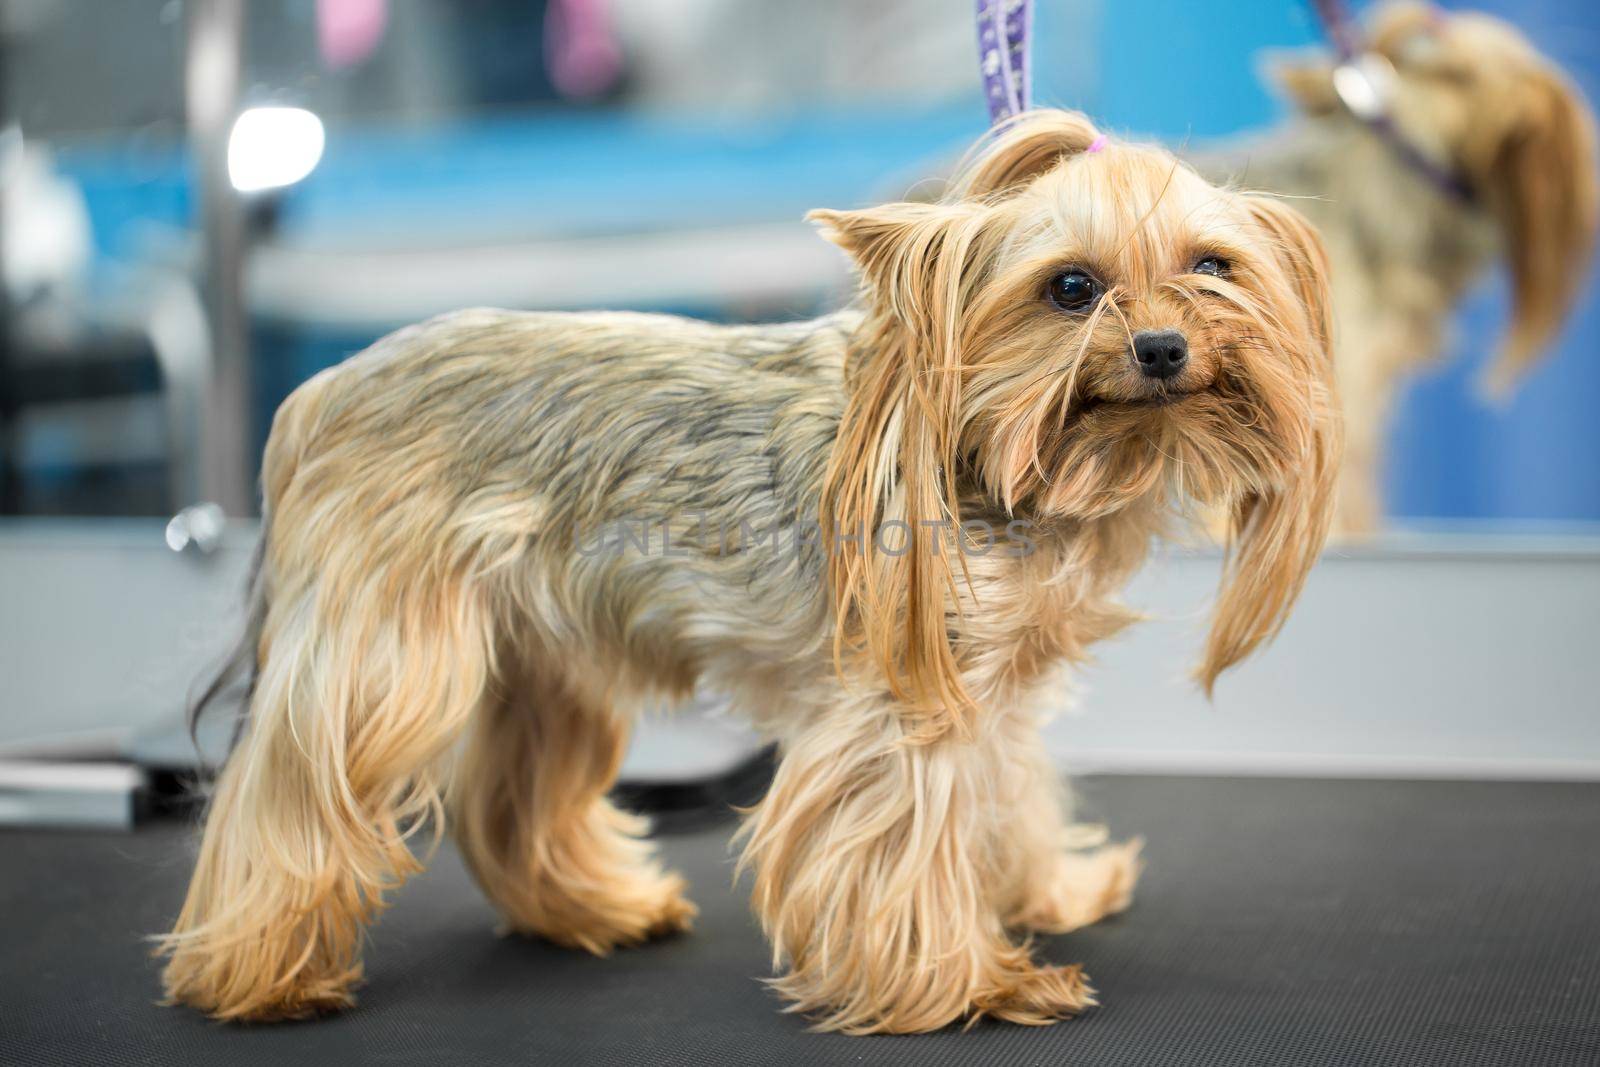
column 1280, row 921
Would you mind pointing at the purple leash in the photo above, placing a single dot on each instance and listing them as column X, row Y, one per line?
column 1359, row 81
column 1003, row 30
column 1339, row 26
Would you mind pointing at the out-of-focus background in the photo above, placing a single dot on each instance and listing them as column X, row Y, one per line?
column 207, row 202
column 630, row 153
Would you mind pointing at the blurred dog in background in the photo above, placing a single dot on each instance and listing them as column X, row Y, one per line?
column 1450, row 143
column 1080, row 342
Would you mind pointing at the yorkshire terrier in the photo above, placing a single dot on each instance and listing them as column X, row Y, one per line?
column 1508, row 172
column 880, row 531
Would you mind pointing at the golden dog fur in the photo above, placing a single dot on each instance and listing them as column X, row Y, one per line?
column 428, row 574
column 1471, row 93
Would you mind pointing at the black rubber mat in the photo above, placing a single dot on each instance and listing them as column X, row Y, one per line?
column 1280, row 922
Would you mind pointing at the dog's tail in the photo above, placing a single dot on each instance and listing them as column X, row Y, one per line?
column 242, row 665
column 234, row 683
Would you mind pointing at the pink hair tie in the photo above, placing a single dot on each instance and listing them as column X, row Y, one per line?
column 1095, row 145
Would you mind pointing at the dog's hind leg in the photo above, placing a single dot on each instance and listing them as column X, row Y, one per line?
column 366, row 680
column 530, row 813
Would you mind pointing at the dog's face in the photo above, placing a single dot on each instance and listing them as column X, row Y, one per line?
column 1074, row 334
column 1470, row 90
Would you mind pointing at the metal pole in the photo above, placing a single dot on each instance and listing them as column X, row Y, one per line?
column 10, row 439
column 213, row 73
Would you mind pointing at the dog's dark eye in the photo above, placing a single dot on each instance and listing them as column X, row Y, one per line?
column 1215, row 266
column 1075, row 291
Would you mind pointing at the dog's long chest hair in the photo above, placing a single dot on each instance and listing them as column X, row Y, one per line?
column 878, row 531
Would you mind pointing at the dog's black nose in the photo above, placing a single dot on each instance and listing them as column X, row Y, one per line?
column 1160, row 353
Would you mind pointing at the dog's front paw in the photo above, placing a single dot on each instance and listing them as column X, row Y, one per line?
column 1006, row 984
column 1082, row 888
column 624, row 912
column 301, row 1004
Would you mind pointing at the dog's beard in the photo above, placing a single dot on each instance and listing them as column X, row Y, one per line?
column 1095, row 456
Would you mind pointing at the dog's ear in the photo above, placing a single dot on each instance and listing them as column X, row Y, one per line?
column 1305, row 78
column 886, row 489
column 1304, row 264
column 1541, row 184
column 898, row 247
column 1277, row 529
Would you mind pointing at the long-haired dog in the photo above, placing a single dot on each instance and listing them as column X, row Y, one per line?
column 880, row 531
column 1515, row 142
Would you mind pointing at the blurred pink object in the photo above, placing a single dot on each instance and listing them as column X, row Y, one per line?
column 581, row 52
column 348, row 31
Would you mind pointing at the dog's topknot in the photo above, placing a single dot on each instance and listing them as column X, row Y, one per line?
column 1019, row 150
